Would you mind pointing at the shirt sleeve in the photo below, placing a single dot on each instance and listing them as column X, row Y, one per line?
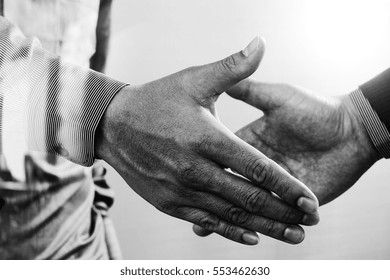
column 48, row 105
column 372, row 100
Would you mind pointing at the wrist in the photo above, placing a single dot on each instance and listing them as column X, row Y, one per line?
column 357, row 130
column 106, row 128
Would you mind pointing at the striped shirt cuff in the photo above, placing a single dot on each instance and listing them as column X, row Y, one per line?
column 64, row 110
column 376, row 129
column 46, row 104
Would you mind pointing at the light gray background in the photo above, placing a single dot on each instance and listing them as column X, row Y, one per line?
column 328, row 46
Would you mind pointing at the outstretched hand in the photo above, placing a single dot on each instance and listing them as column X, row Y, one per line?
column 164, row 139
column 320, row 141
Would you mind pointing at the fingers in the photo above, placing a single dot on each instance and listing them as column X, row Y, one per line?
column 241, row 218
column 232, row 152
column 208, row 177
column 263, row 96
column 213, row 223
column 231, row 206
column 213, row 79
column 292, row 233
column 206, row 223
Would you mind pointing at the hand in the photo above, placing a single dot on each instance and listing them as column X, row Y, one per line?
column 164, row 139
column 320, row 141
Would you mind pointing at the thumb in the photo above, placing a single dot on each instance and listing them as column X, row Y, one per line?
column 263, row 96
column 213, row 79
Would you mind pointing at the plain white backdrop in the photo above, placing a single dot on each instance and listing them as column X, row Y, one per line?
column 328, row 46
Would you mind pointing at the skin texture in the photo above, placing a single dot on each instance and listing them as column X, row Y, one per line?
column 320, row 141
column 164, row 139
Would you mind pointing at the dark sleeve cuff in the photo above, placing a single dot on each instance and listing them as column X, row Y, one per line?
column 376, row 128
column 377, row 92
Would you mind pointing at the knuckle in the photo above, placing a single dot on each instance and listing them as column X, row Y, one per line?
column 280, row 187
column 182, row 213
column 210, row 180
column 255, row 202
column 188, row 172
column 166, row 206
column 239, row 216
column 208, row 222
column 269, row 227
column 215, row 144
column 204, row 144
column 213, row 223
column 164, row 201
column 229, row 64
column 260, row 171
column 287, row 215
column 229, row 231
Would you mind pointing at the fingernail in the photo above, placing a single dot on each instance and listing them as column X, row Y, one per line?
column 311, row 219
column 308, row 205
column 250, row 238
column 294, row 234
column 252, row 47
column 198, row 230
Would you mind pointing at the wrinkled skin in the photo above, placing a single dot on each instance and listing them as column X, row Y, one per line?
column 320, row 141
column 164, row 139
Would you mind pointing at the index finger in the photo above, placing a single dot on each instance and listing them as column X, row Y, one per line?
column 232, row 152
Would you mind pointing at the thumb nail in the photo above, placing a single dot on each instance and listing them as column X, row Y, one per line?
column 252, row 47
